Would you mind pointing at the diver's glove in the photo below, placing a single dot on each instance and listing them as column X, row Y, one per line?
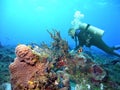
column 116, row 47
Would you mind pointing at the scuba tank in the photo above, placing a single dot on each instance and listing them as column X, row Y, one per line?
column 91, row 29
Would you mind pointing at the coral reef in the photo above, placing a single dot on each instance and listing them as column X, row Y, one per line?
column 27, row 72
column 40, row 68
column 43, row 67
column 6, row 57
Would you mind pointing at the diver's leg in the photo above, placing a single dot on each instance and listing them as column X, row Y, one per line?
column 98, row 42
column 103, row 46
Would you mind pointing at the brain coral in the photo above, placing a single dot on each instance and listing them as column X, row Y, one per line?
column 25, row 54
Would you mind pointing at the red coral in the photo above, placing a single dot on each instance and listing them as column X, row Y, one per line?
column 96, row 69
column 97, row 73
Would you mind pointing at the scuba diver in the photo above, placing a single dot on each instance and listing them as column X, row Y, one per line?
column 89, row 35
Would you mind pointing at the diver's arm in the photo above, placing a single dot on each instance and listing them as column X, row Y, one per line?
column 76, row 41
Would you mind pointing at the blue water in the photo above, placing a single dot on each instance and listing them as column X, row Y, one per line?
column 26, row 21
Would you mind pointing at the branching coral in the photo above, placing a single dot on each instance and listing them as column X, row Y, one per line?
column 59, row 45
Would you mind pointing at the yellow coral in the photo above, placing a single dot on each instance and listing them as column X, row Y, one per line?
column 30, row 46
column 30, row 82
